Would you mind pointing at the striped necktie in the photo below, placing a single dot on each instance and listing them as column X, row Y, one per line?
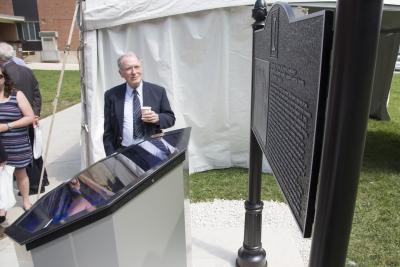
column 138, row 131
column 161, row 146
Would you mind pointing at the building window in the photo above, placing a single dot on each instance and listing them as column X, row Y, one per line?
column 30, row 31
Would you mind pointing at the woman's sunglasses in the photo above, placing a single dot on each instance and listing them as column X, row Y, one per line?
column 1, row 76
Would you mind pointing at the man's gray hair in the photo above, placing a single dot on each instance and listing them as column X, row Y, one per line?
column 6, row 51
column 128, row 54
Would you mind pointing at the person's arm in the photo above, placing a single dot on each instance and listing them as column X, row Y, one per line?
column 108, row 136
column 27, row 114
column 166, row 117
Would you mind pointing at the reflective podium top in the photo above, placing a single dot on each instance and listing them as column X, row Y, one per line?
column 100, row 189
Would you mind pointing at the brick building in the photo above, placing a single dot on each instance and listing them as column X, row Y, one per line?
column 21, row 21
column 8, row 24
column 56, row 15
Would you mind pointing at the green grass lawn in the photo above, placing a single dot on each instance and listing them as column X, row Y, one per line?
column 70, row 91
column 229, row 184
column 375, row 237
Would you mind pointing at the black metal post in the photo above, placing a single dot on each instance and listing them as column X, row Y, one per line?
column 355, row 44
column 251, row 254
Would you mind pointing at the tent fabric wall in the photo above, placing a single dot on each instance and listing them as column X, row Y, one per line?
column 385, row 63
column 203, row 59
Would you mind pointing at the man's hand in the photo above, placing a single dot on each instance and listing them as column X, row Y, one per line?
column 36, row 121
column 150, row 117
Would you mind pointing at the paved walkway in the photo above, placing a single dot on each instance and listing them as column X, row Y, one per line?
column 51, row 66
column 212, row 245
column 63, row 162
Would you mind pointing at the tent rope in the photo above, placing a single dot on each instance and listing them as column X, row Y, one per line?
column 55, row 101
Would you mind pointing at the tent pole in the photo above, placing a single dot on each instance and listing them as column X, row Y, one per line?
column 55, row 101
column 84, row 121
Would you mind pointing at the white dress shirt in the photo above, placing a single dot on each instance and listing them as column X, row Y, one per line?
column 19, row 61
column 127, row 130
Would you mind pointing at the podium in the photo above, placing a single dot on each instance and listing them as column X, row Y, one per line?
column 125, row 210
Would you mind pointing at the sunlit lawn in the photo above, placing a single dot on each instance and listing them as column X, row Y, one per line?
column 70, row 91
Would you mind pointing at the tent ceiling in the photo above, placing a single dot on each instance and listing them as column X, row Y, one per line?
column 109, row 13
column 100, row 14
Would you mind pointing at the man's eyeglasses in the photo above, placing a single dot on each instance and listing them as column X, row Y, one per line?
column 1, row 76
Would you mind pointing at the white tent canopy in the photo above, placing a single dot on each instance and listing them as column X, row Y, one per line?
column 202, row 58
column 200, row 51
column 109, row 13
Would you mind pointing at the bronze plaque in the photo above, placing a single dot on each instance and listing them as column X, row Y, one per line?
column 290, row 78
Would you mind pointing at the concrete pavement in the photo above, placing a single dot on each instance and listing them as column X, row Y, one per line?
column 63, row 161
column 51, row 66
column 212, row 246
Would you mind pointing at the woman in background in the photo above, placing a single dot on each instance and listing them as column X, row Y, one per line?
column 15, row 115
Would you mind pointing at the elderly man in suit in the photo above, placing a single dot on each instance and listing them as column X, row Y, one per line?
column 124, row 124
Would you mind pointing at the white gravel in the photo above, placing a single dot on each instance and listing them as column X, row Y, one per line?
column 230, row 213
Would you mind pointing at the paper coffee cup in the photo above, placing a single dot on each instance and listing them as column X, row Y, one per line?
column 146, row 109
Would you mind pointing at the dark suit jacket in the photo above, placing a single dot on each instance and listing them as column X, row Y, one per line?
column 3, row 153
column 25, row 80
column 153, row 95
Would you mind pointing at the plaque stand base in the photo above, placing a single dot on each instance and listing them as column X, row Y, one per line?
column 251, row 254
column 251, row 258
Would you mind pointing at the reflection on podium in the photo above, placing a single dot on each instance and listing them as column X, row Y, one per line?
column 125, row 210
